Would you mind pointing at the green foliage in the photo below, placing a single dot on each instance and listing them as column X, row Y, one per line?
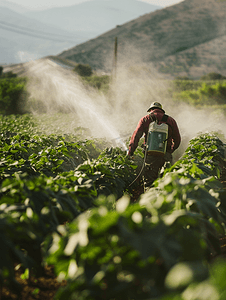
column 65, row 202
column 83, row 70
column 12, row 95
column 207, row 152
column 47, row 181
column 175, row 226
column 206, row 94
column 98, row 82
column 180, row 85
column 212, row 76
column 116, row 254
column 210, row 288
column 9, row 74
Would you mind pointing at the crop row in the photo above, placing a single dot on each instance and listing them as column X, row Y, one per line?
column 66, row 203
column 155, row 248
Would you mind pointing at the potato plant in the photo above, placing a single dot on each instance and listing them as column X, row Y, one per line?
column 66, row 202
column 47, row 181
column 132, row 250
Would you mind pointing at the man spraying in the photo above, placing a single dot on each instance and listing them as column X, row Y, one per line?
column 162, row 138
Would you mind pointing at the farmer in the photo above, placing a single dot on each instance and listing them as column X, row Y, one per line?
column 154, row 163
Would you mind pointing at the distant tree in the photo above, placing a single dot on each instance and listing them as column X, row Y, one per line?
column 83, row 70
column 212, row 76
column 1, row 70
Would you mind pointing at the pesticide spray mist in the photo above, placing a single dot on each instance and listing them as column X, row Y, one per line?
column 113, row 116
column 54, row 89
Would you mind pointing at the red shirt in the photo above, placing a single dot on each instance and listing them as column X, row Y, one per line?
column 174, row 137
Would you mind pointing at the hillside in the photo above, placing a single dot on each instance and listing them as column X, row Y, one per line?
column 179, row 40
column 94, row 17
column 194, row 62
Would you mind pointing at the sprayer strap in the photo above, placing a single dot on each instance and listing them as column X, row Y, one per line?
column 164, row 119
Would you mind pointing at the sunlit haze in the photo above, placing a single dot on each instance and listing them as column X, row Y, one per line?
column 116, row 114
column 43, row 4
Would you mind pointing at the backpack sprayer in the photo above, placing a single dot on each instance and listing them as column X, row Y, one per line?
column 157, row 137
column 156, row 141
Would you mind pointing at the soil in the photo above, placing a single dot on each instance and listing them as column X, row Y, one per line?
column 45, row 287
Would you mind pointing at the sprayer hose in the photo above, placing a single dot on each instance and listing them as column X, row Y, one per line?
column 145, row 155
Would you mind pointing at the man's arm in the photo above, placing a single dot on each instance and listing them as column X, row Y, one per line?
column 175, row 135
column 136, row 137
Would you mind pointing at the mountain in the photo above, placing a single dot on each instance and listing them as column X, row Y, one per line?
column 23, row 38
column 94, row 17
column 36, row 34
column 13, row 6
column 186, row 39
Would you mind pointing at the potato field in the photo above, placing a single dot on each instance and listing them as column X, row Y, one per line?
column 72, row 226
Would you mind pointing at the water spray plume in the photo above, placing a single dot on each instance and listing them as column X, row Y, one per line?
column 116, row 114
column 58, row 89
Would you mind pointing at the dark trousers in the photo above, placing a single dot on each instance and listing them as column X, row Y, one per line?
column 152, row 167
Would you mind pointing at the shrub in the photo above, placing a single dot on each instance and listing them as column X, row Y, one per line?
column 83, row 70
column 98, row 82
column 213, row 76
column 202, row 93
column 12, row 91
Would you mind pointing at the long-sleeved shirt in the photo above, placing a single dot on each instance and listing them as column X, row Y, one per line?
column 174, row 138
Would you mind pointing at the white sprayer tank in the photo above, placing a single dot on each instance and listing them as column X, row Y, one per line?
column 157, row 139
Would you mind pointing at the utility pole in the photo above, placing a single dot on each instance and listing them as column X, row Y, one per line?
column 115, row 57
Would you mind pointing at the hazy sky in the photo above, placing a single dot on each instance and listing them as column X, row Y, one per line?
column 43, row 4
